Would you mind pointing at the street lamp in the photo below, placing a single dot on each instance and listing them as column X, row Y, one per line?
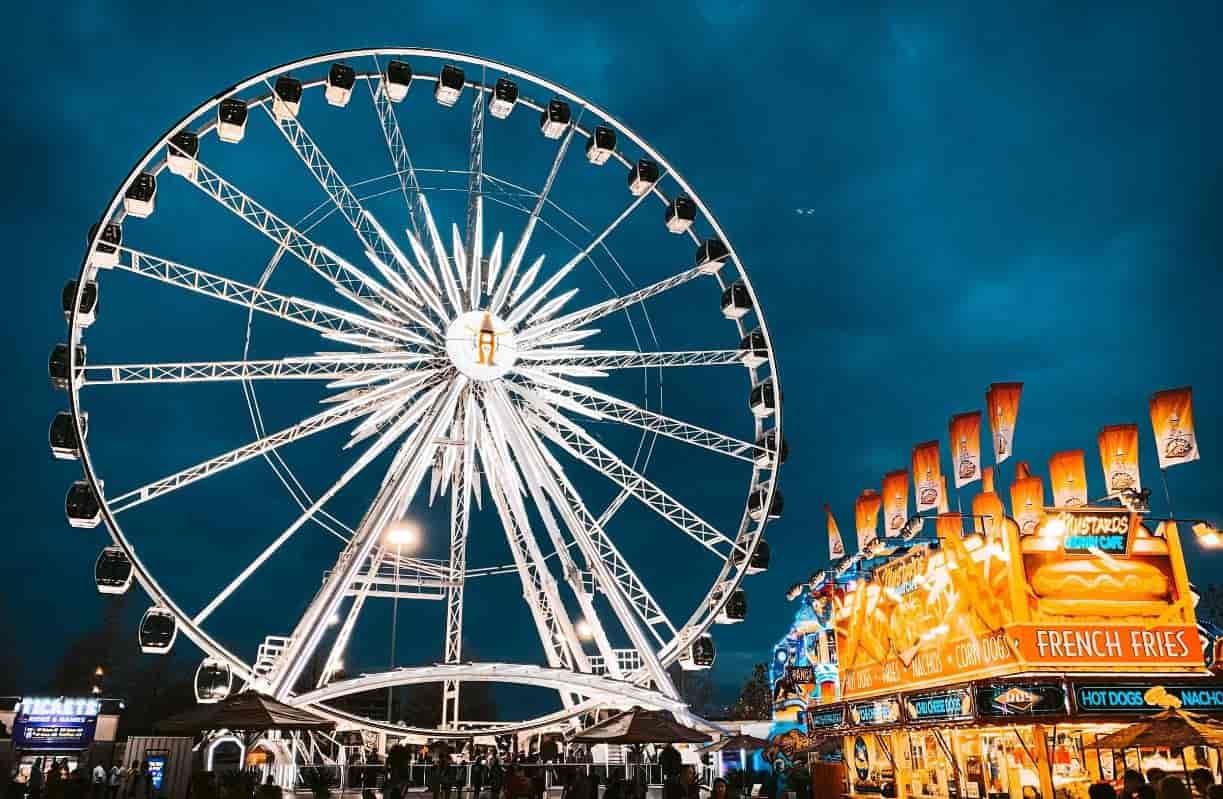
column 584, row 630
column 402, row 533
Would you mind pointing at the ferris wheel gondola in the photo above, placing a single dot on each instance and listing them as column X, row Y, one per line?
column 62, row 436
column 81, row 506
column 112, row 571
column 484, row 365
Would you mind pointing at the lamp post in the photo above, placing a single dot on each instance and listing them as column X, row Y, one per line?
column 401, row 533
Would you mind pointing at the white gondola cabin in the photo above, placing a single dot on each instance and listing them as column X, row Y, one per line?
column 140, row 199
column 57, row 365
column 112, row 571
column 554, row 119
column 710, row 256
column 758, row 561
column 735, row 609
column 753, row 351
column 756, row 504
column 504, row 97
column 213, row 681
column 286, row 97
column 182, row 152
column 642, row 176
column 397, row 80
column 231, row 120
column 680, row 214
column 736, row 301
column 81, row 506
column 600, row 145
column 449, row 85
column 768, row 453
column 763, row 399
column 106, row 254
column 62, row 436
column 340, row 80
column 699, row 656
column 158, row 629
column 88, row 309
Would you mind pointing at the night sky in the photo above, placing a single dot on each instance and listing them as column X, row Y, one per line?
column 927, row 199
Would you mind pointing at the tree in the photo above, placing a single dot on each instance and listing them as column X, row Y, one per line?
column 755, row 701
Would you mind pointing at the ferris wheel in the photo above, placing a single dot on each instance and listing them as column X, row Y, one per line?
column 458, row 347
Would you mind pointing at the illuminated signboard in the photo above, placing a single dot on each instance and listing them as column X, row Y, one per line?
column 876, row 712
column 1147, row 698
column 55, row 723
column 1020, row 699
column 951, row 705
column 156, row 758
column 825, row 718
column 1096, row 531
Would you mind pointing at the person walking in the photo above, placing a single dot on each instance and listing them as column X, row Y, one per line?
column 98, row 782
column 35, row 784
column 670, row 761
column 113, row 779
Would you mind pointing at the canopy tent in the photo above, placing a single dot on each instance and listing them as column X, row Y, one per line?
column 638, row 726
column 1169, row 729
column 248, row 712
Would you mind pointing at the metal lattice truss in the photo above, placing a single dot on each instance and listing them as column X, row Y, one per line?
column 463, row 374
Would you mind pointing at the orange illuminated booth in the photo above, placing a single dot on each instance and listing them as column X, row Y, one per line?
column 983, row 662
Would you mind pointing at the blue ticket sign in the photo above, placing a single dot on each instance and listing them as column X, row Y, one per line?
column 55, row 723
column 1148, row 697
column 951, row 705
column 156, row 758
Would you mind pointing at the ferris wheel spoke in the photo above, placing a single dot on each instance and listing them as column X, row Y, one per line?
column 460, row 518
column 523, row 310
column 347, row 279
column 332, row 323
column 547, row 332
column 557, row 360
column 216, row 371
column 629, row 598
column 390, row 436
column 475, row 171
column 363, row 403
column 511, row 269
column 581, row 445
column 398, row 149
column 404, row 477
column 335, row 657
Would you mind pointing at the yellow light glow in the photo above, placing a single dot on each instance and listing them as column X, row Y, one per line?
column 402, row 533
column 1053, row 528
column 584, row 630
column 333, row 620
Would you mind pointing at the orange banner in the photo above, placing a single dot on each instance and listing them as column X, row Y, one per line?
column 895, row 501
column 1068, row 477
column 1119, row 458
column 1002, row 402
column 988, row 514
column 966, row 447
column 927, row 476
column 866, row 516
column 987, row 479
column 1027, row 503
column 943, row 507
column 949, row 525
column 836, row 548
column 1120, row 644
column 1172, row 420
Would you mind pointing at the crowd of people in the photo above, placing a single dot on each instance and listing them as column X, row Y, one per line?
column 51, row 778
column 1157, row 784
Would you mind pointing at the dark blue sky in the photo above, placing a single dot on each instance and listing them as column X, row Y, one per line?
column 1010, row 193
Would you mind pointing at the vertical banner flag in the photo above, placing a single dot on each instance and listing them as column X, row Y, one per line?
column 987, row 479
column 836, row 549
column 866, row 514
column 895, row 501
column 989, row 514
column 1002, row 404
column 1027, row 503
column 1068, row 476
column 927, row 482
column 966, row 447
column 1119, row 458
column 1172, row 420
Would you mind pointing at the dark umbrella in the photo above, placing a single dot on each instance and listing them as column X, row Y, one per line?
column 249, row 712
column 638, row 726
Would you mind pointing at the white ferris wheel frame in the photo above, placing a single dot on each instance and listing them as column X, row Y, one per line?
column 586, row 690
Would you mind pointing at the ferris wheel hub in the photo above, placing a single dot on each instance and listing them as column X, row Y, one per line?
column 481, row 345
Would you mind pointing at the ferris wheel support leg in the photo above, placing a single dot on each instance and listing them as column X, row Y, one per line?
column 580, row 520
column 460, row 515
column 403, row 479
